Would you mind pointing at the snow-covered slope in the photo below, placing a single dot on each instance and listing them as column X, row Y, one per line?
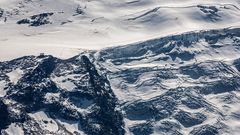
column 133, row 67
column 59, row 27
column 175, row 85
column 183, row 84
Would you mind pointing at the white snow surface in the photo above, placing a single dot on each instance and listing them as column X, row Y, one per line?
column 15, row 75
column 52, row 125
column 147, row 85
column 64, row 83
column 14, row 129
column 71, row 126
column 41, row 117
column 105, row 23
column 2, row 91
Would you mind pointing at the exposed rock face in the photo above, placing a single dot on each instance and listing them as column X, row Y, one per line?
column 37, row 20
column 1, row 12
column 91, row 104
column 4, row 116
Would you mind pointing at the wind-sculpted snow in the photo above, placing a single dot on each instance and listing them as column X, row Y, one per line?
column 179, row 84
column 175, row 85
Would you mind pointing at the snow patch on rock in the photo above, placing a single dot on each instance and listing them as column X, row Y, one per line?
column 15, row 75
